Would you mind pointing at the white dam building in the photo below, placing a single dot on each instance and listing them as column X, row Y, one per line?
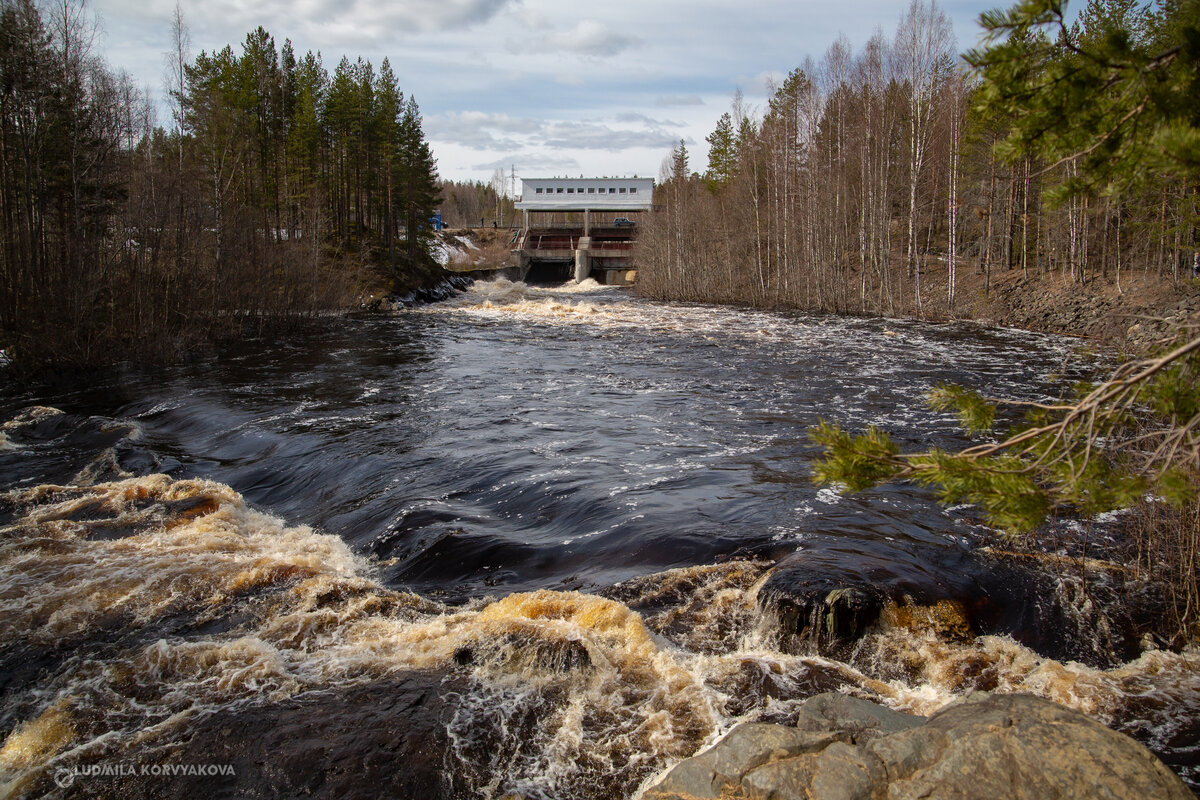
column 581, row 226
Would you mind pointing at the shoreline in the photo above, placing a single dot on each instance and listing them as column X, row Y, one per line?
column 1131, row 316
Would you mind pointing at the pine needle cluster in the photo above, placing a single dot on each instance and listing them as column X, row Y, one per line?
column 1107, row 447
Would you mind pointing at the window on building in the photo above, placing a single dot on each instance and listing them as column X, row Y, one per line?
column 539, row 191
column 633, row 191
column 612, row 191
column 622, row 190
column 592, row 190
column 559, row 190
column 570, row 191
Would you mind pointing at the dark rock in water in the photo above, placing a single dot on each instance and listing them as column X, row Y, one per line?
column 558, row 657
column 515, row 652
column 442, row 290
column 384, row 739
column 820, row 611
column 756, row 683
column 1063, row 610
column 823, row 599
column 983, row 747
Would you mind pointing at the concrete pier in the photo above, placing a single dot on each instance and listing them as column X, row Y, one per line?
column 583, row 261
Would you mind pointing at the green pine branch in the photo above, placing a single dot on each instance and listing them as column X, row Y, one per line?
column 1137, row 432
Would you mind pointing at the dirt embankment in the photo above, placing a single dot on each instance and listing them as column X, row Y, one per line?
column 1131, row 314
column 1134, row 313
column 475, row 249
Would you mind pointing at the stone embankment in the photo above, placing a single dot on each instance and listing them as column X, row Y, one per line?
column 983, row 747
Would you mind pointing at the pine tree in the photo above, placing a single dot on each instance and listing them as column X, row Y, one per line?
column 417, row 190
column 389, row 104
column 679, row 162
column 722, row 154
column 1117, row 95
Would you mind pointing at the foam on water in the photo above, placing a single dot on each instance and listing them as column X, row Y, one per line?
column 574, row 690
column 148, row 603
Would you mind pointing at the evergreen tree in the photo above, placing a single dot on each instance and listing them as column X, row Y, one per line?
column 1118, row 95
column 722, row 153
column 679, row 163
column 389, row 105
column 417, row 190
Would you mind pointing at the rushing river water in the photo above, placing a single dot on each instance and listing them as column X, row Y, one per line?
column 528, row 541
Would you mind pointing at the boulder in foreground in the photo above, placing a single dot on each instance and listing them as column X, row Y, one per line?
column 984, row 746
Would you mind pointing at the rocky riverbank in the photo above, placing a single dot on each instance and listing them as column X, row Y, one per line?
column 983, row 746
column 1131, row 313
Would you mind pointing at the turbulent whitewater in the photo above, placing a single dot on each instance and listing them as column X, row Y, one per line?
column 527, row 541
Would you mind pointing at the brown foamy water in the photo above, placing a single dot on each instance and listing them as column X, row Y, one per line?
column 524, row 542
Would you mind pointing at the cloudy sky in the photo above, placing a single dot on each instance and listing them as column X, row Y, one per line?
column 552, row 88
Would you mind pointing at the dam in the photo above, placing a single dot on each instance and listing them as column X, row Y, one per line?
column 580, row 228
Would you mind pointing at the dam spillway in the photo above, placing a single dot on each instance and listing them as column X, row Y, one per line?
column 580, row 228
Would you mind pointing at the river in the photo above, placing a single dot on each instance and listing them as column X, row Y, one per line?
column 530, row 541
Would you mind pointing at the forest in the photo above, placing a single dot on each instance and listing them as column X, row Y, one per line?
column 277, row 191
column 874, row 176
column 874, row 182
column 467, row 204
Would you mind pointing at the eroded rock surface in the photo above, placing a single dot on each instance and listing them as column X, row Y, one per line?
column 985, row 746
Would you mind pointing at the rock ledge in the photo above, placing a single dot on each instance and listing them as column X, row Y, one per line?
column 984, row 746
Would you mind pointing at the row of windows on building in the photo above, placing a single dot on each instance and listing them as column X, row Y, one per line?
column 592, row 190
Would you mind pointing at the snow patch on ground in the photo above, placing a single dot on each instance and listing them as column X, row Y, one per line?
column 445, row 253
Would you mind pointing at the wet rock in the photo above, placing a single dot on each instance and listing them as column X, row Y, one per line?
column 822, row 612
column 1062, row 609
column 757, row 682
column 820, row 599
column 860, row 719
column 384, row 739
column 823, row 602
column 515, row 652
column 554, row 656
column 744, row 748
column 447, row 287
column 985, row 746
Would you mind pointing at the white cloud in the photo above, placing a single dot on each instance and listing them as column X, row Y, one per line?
column 485, row 131
column 497, row 132
column 589, row 38
column 594, row 136
column 532, row 163
column 678, row 100
column 629, row 116
column 338, row 19
column 535, row 81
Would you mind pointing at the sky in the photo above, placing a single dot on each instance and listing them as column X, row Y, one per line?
column 544, row 88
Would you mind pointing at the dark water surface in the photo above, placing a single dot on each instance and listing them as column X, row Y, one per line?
column 558, row 505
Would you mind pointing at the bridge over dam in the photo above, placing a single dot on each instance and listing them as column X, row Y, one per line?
column 579, row 228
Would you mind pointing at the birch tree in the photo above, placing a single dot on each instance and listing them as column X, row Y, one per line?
column 924, row 47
